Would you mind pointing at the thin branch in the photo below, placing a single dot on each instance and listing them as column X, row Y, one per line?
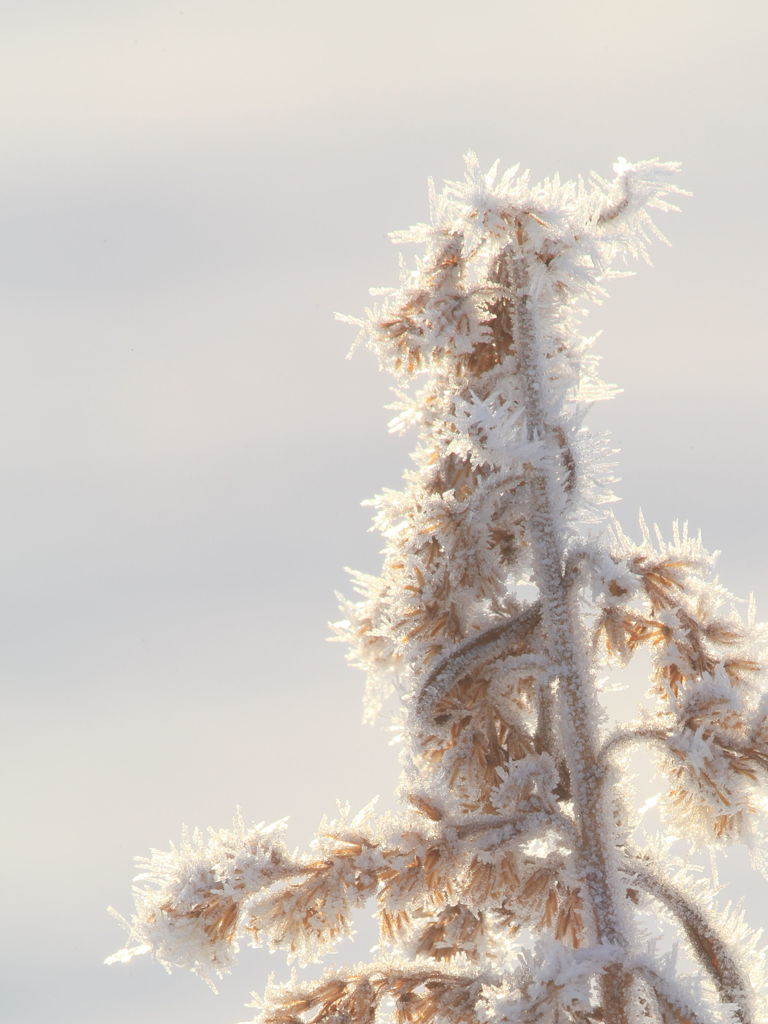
column 615, row 210
column 423, row 993
column 567, row 458
column 711, row 952
column 673, row 1010
column 517, row 826
column 661, row 737
column 629, row 737
column 478, row 650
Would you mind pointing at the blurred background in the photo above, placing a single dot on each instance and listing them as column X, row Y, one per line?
column 188, row 191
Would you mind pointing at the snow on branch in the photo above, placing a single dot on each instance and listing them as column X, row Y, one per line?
column 712, row 950
column 508, row 889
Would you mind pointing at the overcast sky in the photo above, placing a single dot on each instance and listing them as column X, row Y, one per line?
column 188, row 191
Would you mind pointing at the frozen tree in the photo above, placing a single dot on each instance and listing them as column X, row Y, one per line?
column 518, row 884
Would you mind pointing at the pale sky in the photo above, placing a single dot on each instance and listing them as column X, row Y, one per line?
column 189, row 191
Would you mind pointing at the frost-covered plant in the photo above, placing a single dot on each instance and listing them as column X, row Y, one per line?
column 513, row 886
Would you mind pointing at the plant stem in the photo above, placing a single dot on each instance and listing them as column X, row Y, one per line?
column 565, row 645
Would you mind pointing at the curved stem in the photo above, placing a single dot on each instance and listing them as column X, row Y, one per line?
column 711, row 952
column 661, row 738
column 614, row 210
column 626, row 738
column 486, row 646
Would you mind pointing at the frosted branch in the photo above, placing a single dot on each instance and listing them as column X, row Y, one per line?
column 478, row 650
column 498, row 603
column 419, row 993
column 623, row 738
column 710, row 949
